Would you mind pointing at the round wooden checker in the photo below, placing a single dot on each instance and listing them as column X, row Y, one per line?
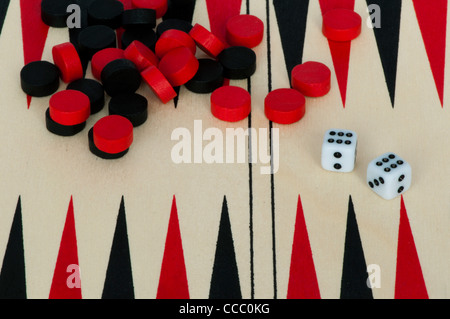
column 179, row 66
column 105, row 12
column 206, row 40
column 113, row 134
column 284, row 106
column 102, row 58
column 311, row 78
column 244, row 30
column 95, row 38
column 66, row 58
column 160, row 6
column 230, row 103
column 39, row 78
column 54, row 12
column 69, row 107
column 141, row 55
column 341, row 25
column 158, row 84
column 172, row 39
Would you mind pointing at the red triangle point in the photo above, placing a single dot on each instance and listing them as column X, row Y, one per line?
column 66, row 283
column 173, row 282
column 219, row 12
column 409, row 281
column 302, row 279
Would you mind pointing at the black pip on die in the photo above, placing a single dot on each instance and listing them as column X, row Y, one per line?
column 389, row 175
column 339, row 150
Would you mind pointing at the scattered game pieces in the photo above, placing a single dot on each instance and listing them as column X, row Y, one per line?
column 341, row 25
column 173, row 24
column 311, row 79
column 111, row 137
column 131, row 106
column 172, row 39
column 143, row 35
column 141, row 55
column 230, row 103
column 102, row 58
column 120, row 77
column 339, row 150
column 95, row 38
column 39, row 78
column 206, row 40
column 284, row 106
column 179, row 66
column 65, row 57
column 244, row 30
column 139, row 19
column 94, row 91
column 54, row 12
column 69, row 107
column 158, row 84
column 105, row 12
column 208, row 78
column 160, row 6
column 238, row 62
column 389, row 175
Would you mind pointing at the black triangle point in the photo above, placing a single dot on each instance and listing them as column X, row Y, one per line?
column 119, row 278
column 291, row 19
column 354, row 270
column 3, row 10
column 12, row 276
column 387, row 36
column 225, row 277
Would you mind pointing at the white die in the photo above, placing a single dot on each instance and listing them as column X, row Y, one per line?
column 389, row 175
column 339, row 150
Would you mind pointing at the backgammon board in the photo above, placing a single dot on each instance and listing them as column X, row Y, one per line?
column 269, row 224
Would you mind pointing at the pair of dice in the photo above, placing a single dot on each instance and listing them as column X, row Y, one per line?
column 388, row 175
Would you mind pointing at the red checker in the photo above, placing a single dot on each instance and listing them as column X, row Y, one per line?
column 160, row 6
column 69, row 107
column 341, row 25
column 102, row 58
column 311, row 78
column 230, row 103
column 172, row 39
column 158, row 84
column 66, row 58
column 141, row 55
column 179, row 66
column 244, row 30
column 284, row 106
column 206, row 40
column 113, row 134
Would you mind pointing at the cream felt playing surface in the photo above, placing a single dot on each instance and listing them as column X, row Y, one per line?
column 46, row 171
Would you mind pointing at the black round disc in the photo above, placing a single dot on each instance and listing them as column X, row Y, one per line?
column 93, row 89
column 105, row 12
column 120, row 77
column 62, row 130
column 208, row 77
column 39, row 78
column 139, row 18
column 131, row 106
column 95, row 38
column 54, row 12
column 94, row 150
column 144, row 35
column 177, row 24
column 238, row 62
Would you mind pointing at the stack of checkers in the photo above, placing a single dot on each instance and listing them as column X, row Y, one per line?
column 164, row 54
column 312, row 78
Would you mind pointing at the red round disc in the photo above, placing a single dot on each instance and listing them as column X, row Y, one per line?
column 284, row 106
column 172, row 39
column 230, row 103
column 113, row 134
column 206, row 40
column 102, row 58
column 311, row 78
column 179, row 66
column 160, row 6
column 141, row 55
column 244, row 30
column 158, row 84
column 341, row 25
column 66, row 58
column 69, row 107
